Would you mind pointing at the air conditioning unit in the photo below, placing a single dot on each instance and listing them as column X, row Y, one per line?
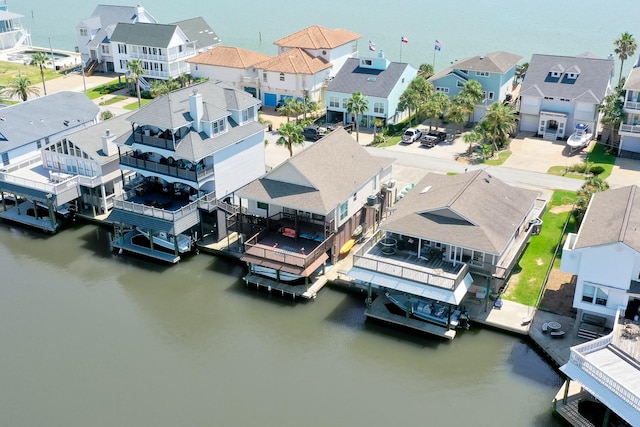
column 371, row 200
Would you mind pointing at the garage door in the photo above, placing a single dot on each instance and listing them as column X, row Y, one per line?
column 270, row 99
column 529, row 123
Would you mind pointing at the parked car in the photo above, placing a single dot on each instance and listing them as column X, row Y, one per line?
column 314, row 133
column 280, row 104
column 433, row 138
column 411, row 135
column 348, row 127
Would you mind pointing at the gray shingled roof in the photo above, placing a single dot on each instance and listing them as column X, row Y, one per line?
column 613, row 216
column 197, row 30
column 633, row 80
column 171, row 111
column 333, row 168
column 494, row 62
column 352, row 78
column 143, row 34
column 38, row 118
column 590, row 86
column 108, row 14
column 89, row 139
column 473, row 210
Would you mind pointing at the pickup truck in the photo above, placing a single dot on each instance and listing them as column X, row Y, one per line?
column 313, row 133
column 432, row 138
column 411, row 135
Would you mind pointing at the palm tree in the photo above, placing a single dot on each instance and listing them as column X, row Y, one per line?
column 20, row 87
column 39, row 59
column 436, row 106
column 136, row 70
column 377, row 123
column 425, row 70
column 357, row 105
column 625, row 46
column 286, row 109
column 592, row 185
column 409, row 100
column 290, row 135
column 471, row 95
column 471, row 138
column 612, row 114
column 297, row 108
column 501, row 121
column 457, row 114
column 521, row 71
column 424, row 91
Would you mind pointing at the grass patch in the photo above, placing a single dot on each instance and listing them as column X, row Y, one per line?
column 391, row 141
column 105, row 89
column 502, row 157
column 10, row 70
column 562, row 171
column 527, row 276
column 134, row 105
column 114, row 100
column 599, row 155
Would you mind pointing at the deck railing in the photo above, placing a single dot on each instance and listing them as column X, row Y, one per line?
column 139, row 208
column 286, row 257
column 630, row 128
column 632, row 105
column 148, row 165
column 578, row 358
column 154, row 140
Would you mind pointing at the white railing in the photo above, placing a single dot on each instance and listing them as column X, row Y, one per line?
column 56, row 188
column 139, row 208
column 630, row 128
column 631, row 105
column 578, row 358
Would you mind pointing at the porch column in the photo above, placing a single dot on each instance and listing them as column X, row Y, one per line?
column 175, row 245
column 93, row 204
column 150, row 238
column 103, row 192
column 566, row 391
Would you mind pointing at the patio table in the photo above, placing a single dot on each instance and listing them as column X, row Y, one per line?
column 554, row 326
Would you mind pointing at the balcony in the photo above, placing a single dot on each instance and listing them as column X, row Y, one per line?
column 253, row 81
column 163, row 140
column 631, row 105
column 630, row 128
column 193, row 172
column 167, row 208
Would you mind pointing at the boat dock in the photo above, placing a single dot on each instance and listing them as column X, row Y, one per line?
column 126, row 243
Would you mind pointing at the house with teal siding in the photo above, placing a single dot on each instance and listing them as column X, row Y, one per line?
column 495, row 71
column 380, row 81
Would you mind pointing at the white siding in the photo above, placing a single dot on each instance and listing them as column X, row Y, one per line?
column 239, row 164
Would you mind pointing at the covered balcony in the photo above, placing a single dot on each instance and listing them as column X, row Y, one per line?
column 183, row 169
column 165, row 139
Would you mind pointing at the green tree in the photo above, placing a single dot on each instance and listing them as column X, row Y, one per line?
column 286, row 109
column 592, row 185
column 457, row 114
column 471, row 138
column 39, row 59
column 501, row 120
column 521, row 71
column 436, row 106
column 158, row 88
column 290, row 136
column 471, row 95
column 425, row 70
column 377, row 124
column 425, row 92
column 136, row 70
column 297, row 107
column 625, row 46
column 410, row 101
column 612, row 115
column 106, row 115
column 20, row 87
column 357, row 105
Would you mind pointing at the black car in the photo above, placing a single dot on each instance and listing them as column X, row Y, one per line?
column 313, row 133
column 433, row 138
column 280, row 104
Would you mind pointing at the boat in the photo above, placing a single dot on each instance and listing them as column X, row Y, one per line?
column 272, row 273
column 580, row 137
column 428, row 310
column 166, row 240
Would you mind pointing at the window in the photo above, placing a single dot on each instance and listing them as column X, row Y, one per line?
column 378, row 107
column 366, row 62
column 334, row 102
column 355, row 196
column 218, row 126
column 555, row 74
column 344, row 102
column 245, row 115
column 601, row 296
column 83, row 32
column 459, row 84
column 588, row 293
column 145, row 50
column 180, row 49
column 482, row 73
column 123, row 64
column 105, row 48
column 122, row 48
column 490, row 96
column 281, row 77
column 264, row 77
column 46, row 140
column 5, row 159
column 594, row 294
column 344, row 210
column 39, row 143
column 264, row 206
column 442, row 89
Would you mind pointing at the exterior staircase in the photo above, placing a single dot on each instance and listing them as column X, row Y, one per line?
column 91, row 67
column 550, row 134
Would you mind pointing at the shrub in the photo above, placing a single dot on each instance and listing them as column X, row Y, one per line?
column 106, row 115
column 597, row 170
column 379, row 139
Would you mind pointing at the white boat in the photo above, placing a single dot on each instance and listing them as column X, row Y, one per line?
column 580, row 137
column 166, row 240
column 282, row 276
column 427, row 310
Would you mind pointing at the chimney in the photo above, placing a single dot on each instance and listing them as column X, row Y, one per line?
column 139, row 13
column 195, row 110
column 381, row 54
column 108, row 147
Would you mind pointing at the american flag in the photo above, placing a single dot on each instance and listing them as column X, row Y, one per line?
column 438, row 45
column 372, row 46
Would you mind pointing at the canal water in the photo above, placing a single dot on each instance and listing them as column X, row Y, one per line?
column 89, row 338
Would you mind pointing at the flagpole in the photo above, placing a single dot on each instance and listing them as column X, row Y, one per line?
column 401, row 43
column 434, row 59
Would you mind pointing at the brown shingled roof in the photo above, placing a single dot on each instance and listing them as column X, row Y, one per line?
column 294, row 61
column 317, row 37
column 227, row 56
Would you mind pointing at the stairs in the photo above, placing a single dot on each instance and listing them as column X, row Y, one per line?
column 550, row 135
column 90, row 68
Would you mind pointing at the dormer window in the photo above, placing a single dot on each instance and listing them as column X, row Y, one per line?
column 219, row 126
column 572, row 76
column 83, row 32
column 366, row 62
column 556, row 74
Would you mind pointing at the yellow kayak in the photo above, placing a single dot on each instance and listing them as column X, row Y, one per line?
column 347, row 246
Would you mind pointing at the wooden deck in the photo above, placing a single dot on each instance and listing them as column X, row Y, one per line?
column 295, row 291
column 378, row 310
column 627, row 339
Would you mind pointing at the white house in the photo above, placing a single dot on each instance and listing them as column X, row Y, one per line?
column 12, row 34
column 605, row 255
column 559, row 92
column 93, row 33
column 380, row 81
column 232, row 65
column 630, row 127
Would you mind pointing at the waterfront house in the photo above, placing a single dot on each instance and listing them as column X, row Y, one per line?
column 559, row 92
column 12, row 34
column 190, row 150
column 449, row 236
column 605, row 257
column 380, row 81
column 309, row 210
column 602, row 379
column 94, row 32
column 25, row 129
column 232, row 65
column 495, row 71
column 630, row 127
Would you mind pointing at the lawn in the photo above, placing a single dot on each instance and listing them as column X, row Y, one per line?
column 502, row 157
column 390, row 141
column 599, row 156
column 114, row 100
column 134, row 105
column 562, row 171
column 10, row 70
column 526, row 280
column 105, row 89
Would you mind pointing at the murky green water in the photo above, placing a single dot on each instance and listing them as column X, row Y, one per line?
column 92, row 339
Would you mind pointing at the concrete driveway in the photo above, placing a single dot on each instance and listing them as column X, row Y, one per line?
column 538, row 155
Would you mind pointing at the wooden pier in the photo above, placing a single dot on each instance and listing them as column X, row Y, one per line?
column 284, row 289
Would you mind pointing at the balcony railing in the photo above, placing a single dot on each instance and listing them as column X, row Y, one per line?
column 185, row 211
column 630, row 128
column 286, row 257
column 579, row 359
column 177, row 172
column 155, row 140
column 632, row 105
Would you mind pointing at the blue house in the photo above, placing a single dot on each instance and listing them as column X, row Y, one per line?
column 380, row 81
column 494, row 71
